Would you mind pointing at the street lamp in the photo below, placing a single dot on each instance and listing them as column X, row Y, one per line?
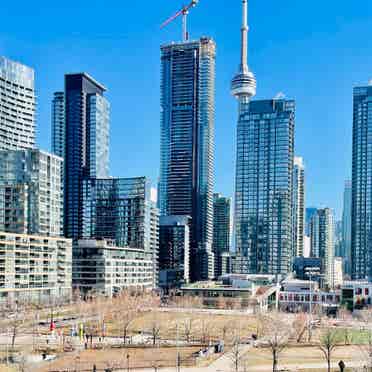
column 310, row 272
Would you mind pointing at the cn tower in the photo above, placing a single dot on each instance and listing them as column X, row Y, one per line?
column 243, row 85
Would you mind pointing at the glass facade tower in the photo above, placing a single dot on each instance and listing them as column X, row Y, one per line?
column 58, row 124
column 123, row 211
column 322, row 230
column 264, row 170
column 187, row 144
column 298, row 212
column 221, row 229
column 263, row 196
column 346, row 228
column 31, row 200
column 17, row 102
column 361, row 220
column 86, row 144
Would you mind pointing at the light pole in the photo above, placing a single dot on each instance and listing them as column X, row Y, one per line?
column 310, row 272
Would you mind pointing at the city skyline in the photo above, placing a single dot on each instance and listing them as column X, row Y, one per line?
column 333, row 117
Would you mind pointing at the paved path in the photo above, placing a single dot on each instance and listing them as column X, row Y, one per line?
column 224, row 365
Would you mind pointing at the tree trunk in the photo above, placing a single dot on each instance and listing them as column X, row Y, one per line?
column 329, row 362
column 125, row 336
column 14, row 337
column 275, row 361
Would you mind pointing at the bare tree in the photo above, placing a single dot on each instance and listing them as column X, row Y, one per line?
column 155, row 328
column 128, row 307
column 327, row 343
column 15, row 324
column 205, row 329
column 187, row 328
column 236, row 355
column 277, row 331
column 366, row 348
column 300, row 326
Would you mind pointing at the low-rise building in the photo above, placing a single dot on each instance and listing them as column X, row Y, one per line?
column 100, row 266
column 34, row 268
column 299, row 295
column 356, row 294
column 251, row 292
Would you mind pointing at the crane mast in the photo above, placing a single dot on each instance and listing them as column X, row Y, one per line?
column 184, row 12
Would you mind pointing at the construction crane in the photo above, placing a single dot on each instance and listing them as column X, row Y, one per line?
column 184, row 12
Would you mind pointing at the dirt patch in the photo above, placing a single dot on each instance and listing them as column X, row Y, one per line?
column 120, row 358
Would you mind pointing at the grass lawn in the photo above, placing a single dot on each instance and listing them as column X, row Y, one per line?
column 200, row 323
column 302, row 355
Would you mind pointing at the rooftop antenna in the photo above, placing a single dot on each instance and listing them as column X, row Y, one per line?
column 184, row 12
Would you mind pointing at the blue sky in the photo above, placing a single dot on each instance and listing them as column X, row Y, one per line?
column 313, row 51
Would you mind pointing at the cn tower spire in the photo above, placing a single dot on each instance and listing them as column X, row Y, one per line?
column 244, row 83
column 244, row 39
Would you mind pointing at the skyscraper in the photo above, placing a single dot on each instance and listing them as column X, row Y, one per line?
column 221, row 229
column 17, row 102
column 58, row 124
column 322, row 242
column 86, row 144
column 264, row 167
column 31, row 200
column 309, row 213
column 346, row 228
column 361, row 223
column 187, row 144
column 298, row 206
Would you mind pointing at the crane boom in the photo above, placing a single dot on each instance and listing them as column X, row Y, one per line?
column 184, row 12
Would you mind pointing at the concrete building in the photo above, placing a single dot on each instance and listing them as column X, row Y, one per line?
column 122, row 210
column 322, row 242
column 187, row 144
column 31, row 199
column 174, row 251
column 221, row 231
column 34, row 268
column 298, row 213
column 17, row 102
column 361, row 223
column 101, row 267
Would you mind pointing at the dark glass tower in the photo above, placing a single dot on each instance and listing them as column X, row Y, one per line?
column 221, row 229
column 361, row 220
column 263, row 195
column 187, row 144
column 86, row 144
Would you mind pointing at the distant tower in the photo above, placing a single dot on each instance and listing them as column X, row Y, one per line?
column 298, row 212
column 58, row 124
column 17, row 103
column 322, row 242
column 346, row 228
